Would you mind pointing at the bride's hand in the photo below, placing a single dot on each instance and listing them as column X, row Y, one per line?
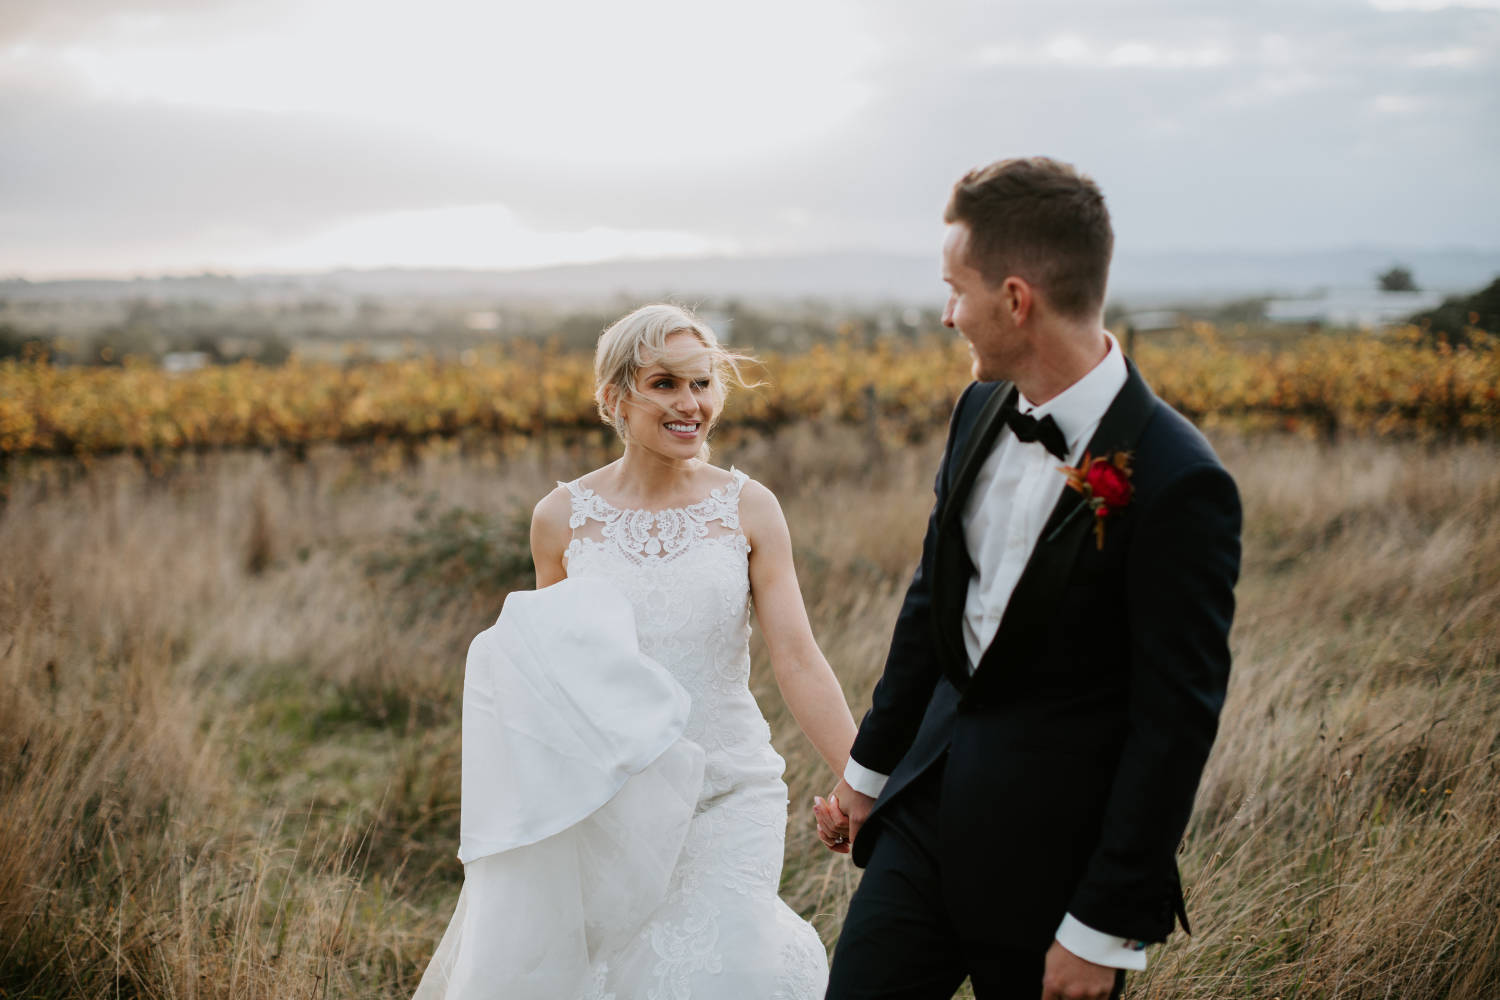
column 841, row 816
column 833, row 824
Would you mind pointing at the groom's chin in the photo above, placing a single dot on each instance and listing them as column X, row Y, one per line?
column 978, row 370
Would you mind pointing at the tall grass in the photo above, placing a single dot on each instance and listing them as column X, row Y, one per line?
column 229, row 705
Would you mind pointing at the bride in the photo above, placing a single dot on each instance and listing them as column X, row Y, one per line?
column 624, row 813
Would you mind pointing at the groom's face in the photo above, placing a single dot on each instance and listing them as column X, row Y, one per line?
column 980, row 313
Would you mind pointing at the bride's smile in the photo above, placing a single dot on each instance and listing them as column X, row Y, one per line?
column 674, row 400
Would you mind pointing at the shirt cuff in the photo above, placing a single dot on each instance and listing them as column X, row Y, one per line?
column 862, row 779
column 1098, row 947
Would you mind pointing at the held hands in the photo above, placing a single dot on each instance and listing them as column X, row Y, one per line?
column 1068, row 977
column 840, row 816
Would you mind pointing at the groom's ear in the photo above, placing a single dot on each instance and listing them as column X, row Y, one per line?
column 1019, row 298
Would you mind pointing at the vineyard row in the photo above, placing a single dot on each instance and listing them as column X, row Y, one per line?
column 1380, row 385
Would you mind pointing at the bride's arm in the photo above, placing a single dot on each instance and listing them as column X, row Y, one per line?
column 549, row 537
column 806, row 680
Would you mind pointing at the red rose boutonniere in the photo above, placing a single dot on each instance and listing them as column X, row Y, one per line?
column 1105, row 485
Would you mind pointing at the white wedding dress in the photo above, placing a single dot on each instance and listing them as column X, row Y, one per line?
column 623, row 810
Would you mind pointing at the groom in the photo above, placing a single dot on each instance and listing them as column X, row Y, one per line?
column 1019, row 787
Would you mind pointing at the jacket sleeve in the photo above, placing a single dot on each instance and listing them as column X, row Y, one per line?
column 1180, row 577
column 912, row 667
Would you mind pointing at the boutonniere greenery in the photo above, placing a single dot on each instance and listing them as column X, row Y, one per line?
column 1105, row 484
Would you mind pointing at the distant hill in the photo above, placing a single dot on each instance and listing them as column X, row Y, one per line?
column 1157, row 276
column 1140, row 278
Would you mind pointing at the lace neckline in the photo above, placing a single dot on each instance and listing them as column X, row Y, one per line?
column 659, row 534
column 729, row 492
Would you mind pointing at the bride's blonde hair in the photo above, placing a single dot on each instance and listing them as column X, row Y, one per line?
column 639, row 339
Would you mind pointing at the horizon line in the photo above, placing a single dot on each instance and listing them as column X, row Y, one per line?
column 206, row 272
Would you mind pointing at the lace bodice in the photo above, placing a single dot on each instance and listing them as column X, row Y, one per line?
column 686, row 572
column 664, row 534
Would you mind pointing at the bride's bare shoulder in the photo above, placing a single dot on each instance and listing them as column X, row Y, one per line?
column 549, row 520
column 759, row 509
column 557, row 501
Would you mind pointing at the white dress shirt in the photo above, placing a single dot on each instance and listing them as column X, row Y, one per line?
column 1011, row 498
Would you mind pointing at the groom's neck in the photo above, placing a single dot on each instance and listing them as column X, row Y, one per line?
column 1061, row 352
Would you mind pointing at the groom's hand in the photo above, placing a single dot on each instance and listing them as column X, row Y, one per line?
column 841, row 816
column 1068, row 977
column 855, row 804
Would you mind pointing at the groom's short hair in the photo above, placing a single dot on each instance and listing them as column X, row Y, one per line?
column 1040, row 220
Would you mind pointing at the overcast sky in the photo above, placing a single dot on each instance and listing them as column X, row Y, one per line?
column 171, row 136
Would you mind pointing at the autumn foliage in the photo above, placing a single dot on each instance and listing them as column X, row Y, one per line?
column 1386, row 385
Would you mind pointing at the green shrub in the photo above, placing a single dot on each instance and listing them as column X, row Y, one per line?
column 460, row 554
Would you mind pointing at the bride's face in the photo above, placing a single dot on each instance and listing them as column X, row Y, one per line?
column 675, row 399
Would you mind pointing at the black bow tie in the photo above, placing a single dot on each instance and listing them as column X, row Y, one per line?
column 1028, row 428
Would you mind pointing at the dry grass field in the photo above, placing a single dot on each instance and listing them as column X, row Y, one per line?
column 229, row 705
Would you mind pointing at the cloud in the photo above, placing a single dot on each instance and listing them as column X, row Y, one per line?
column 485, row 235
column 1328, row 123
column 45, row 22
column 1434, row 5
column 635, row 83
column 1457, row 57
column 1396, row 104
column 1076, row 52
column 1274, row 146
column 161, row 167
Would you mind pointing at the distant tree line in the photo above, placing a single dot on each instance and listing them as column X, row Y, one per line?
column 15, row 343
column 1460, row 314
column 92, row 334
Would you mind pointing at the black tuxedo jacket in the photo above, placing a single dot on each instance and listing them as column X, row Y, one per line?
column 1075, row 749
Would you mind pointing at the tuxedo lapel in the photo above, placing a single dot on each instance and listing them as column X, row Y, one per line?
column 952, row 567
column 1024, row 625
column 987, row 424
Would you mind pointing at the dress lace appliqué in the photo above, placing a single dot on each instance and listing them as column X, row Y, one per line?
column 665, row 534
